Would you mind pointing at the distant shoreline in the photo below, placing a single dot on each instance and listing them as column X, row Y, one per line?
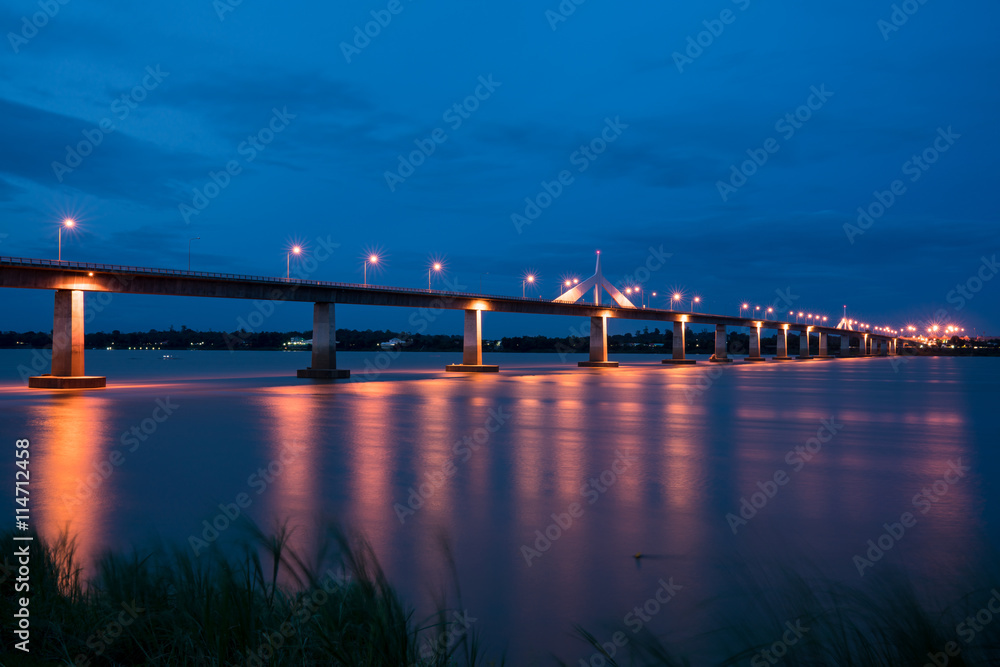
column 351, row 340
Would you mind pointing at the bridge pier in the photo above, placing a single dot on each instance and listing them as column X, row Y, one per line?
column 845, row 345
column 324, row 352
column 824, row 346
column 804, row 344
column 678, row 346
column 782, row 344
column 721, row 352
column 472, row 346
column 598, row 345
column 67, row 347
column 755, row 345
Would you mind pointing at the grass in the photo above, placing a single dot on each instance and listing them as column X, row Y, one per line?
column 263, row 604
column 887, row 620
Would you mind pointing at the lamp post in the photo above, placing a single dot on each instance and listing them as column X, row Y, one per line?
column 296, row 250
column 371, row 259
column 436, row 266
column 530, row 278
column 695, row 300
column 196, row 238
column 68, row 222
column 770, row 309
column 676, row 297
column 744, row 306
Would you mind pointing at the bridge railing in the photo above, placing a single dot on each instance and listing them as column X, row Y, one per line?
column 22, row 261
column 51, row 263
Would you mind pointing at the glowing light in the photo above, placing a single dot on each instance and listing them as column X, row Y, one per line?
column 437, row 266
column 677, row 296
column 297, row 250
column 373, row 259
column 69, row 222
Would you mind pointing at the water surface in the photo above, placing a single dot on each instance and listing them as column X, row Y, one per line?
column 406, row 452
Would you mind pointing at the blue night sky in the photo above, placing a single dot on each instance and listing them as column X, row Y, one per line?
column 644, row 125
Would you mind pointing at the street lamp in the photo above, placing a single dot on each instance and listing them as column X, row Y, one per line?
column 373, row 260
column 695, row 300
column 68, row 222
column 296, row 250
column 530, row 278
column 676, row 297
column 744, row 306
column 196, row 238
column 770, row 309
column 436, row 266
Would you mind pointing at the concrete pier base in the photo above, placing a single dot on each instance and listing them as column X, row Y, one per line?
column 324, row 348
column 677, row 352
column 598, row 345
column 67, row 347
column 472, row 347
column 784, row 359
column 753, row 360
column 67, row 382
column 472, row 368
column 323, row 373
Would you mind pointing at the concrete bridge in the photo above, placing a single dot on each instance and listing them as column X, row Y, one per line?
column 72, row 280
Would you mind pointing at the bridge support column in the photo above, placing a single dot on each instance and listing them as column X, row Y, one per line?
column 472, row 347
column 823, row 346
column 845, row 344
column 721, row 352
column 678, row 346
column 324, row 352
column 598, row 345
column 804, row 344
column 783, row 344
column 67, row 347
column 755, row 345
